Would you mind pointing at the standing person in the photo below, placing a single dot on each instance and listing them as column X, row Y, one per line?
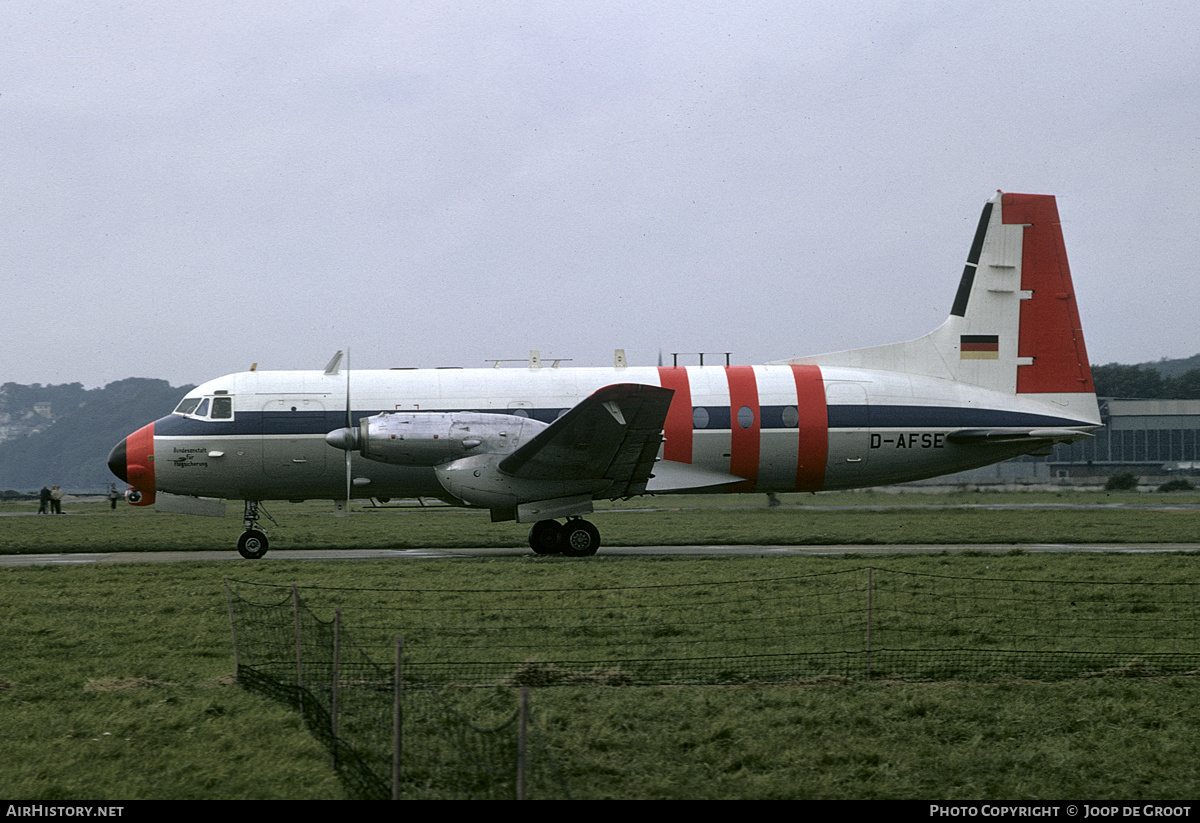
column 44, row 498
column 56, row 494
column 113, row 495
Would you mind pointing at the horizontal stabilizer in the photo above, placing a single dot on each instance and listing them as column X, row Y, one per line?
column 612, row 435
column 998, row 437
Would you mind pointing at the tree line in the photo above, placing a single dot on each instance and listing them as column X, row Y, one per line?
column 72, row 451
column 1115, row 380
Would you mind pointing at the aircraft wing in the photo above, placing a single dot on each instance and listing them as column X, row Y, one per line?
column 612, row 435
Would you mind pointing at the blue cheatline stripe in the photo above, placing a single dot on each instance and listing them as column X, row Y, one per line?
column 772, row 417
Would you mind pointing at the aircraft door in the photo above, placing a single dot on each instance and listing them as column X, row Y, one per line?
column 849, row 433
column 294, row 447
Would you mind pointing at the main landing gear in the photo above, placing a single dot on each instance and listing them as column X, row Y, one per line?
column 253, row 543
column 575, row 538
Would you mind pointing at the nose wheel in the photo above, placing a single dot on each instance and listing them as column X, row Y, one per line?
column 253, row 543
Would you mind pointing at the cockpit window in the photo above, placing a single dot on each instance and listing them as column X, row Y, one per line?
column 212, row 408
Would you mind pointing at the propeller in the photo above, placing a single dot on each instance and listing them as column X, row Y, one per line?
column 350, row 433
column 346, row 438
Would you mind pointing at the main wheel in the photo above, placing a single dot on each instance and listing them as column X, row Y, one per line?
column 545, row 537
column 252, row 544
column 580, row 539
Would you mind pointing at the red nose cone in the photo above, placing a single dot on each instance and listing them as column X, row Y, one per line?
column 132, row 460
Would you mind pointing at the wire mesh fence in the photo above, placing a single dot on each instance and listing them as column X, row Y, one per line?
column 390, row 735
column 932, row 627
column 859, row 624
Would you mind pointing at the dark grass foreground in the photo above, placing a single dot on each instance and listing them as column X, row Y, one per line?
column 806, row 631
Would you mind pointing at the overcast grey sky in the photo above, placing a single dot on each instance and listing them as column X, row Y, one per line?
column 192, row 187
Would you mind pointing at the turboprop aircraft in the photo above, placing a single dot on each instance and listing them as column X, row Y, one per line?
column 1006, row 374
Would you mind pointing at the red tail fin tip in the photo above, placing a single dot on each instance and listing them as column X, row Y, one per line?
column 1051, row 335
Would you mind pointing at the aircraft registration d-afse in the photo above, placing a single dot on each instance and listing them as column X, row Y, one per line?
column 1006, row 374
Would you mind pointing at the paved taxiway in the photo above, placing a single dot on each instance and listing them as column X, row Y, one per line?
column 658, row 551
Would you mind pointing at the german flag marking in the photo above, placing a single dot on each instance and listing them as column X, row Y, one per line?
column 979, row 347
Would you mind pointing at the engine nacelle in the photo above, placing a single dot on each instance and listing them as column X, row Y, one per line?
column 478, row 481
column 434, row 438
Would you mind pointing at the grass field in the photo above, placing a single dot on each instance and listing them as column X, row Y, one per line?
column 115, row 682
column 839, row 518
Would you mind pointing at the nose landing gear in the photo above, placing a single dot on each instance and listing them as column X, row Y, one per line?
column 253, row 543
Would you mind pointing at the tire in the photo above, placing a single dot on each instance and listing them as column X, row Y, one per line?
column 252, row 544
column 545, row 537
column 580, row 539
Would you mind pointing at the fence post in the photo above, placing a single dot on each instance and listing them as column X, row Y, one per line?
column 870, row 592
column 299, row 662
column 333, row 687
column 397, row 718
column 232, row 626
column 522, row 747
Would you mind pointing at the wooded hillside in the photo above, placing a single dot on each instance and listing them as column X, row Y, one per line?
column 70, row 446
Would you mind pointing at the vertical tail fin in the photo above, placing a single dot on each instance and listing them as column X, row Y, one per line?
column 1014, row 326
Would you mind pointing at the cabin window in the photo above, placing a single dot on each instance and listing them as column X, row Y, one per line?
column 745, row 417
column 699, row 418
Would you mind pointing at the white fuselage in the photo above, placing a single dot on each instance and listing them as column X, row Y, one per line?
column 777, row 428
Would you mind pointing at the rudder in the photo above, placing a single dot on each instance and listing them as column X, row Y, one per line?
column 1051, row 333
